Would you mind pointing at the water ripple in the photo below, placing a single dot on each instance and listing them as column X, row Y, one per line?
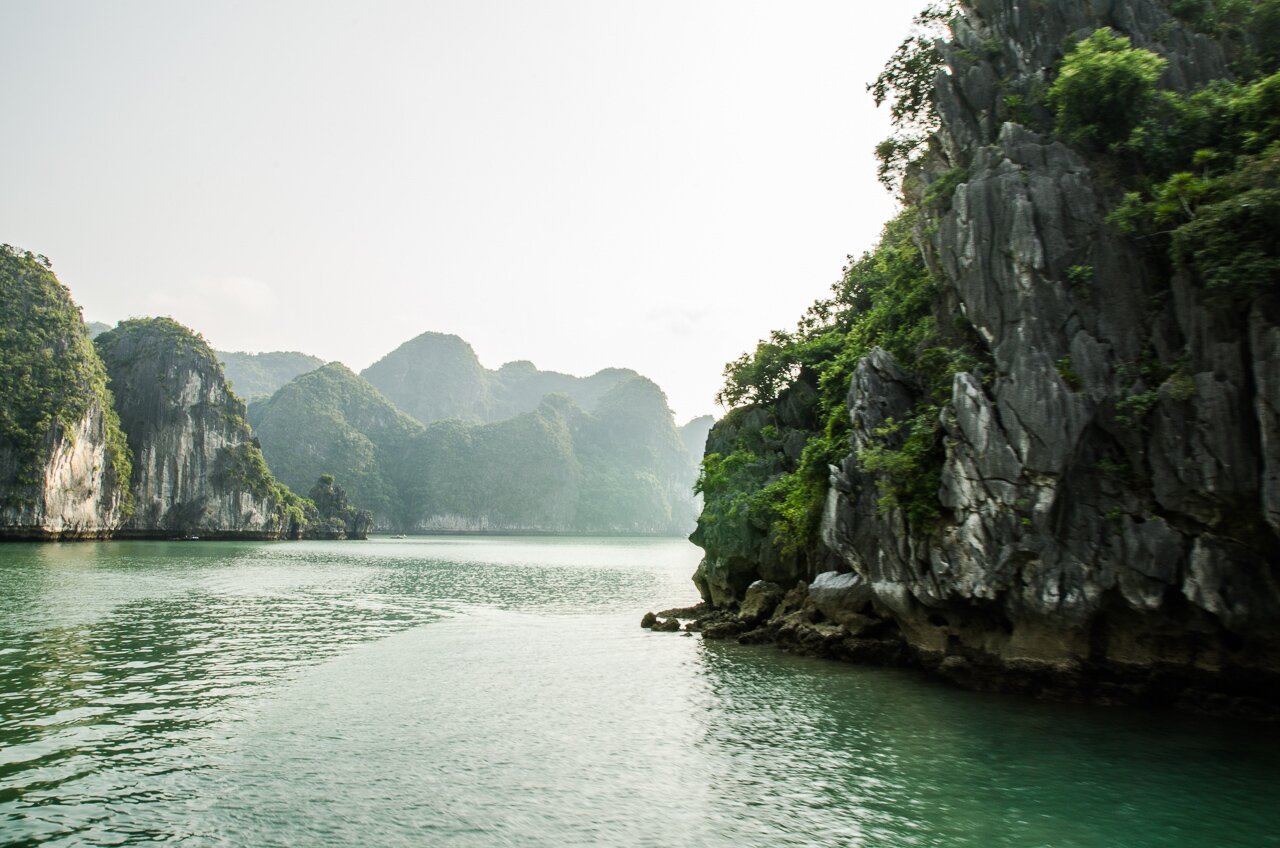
column 498, row 692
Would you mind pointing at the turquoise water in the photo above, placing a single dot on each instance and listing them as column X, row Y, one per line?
column 494, row 692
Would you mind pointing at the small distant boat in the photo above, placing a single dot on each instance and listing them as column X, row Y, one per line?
column 399, row 536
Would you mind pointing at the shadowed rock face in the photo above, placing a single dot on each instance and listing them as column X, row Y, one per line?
column 1088, row 551
column 196, row 468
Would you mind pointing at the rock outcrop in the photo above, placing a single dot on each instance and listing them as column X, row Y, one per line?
column 1108, row 484
column 64, row 466
column 197, row 470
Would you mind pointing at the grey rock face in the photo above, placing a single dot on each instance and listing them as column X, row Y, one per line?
column 195, row 469
column 1112, row 487
column 75, row 495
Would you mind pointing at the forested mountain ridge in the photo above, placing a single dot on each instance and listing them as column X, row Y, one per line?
column 331, row 421
column 618, row 467
column 257, row 375
column 1032, row 440
column 169, row 451
column 437, row 376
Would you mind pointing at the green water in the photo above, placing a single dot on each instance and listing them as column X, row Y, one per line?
column 492, row 692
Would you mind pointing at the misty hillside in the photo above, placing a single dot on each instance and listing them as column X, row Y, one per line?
column 331, row 421
column 255, row 375
column 599, row 454
column 437, row 376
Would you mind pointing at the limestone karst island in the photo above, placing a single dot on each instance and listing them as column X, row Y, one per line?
column 302, row 548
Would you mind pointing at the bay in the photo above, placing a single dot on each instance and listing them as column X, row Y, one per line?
column 469, row 691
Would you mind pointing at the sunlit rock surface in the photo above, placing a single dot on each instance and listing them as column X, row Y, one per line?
column 197, row 469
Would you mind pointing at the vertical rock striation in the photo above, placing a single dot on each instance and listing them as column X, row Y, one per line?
column 1110, row 489
column 197, row 470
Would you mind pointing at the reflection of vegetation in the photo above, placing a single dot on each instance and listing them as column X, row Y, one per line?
column 50, row 375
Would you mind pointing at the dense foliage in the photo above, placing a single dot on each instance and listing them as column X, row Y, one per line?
column 50, row 375
column 1103, row 88
column 1204, row 185
column 329, row 421
column 334, row 514
column 800, row 380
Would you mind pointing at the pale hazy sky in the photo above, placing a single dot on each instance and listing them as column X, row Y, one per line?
column 583, row 184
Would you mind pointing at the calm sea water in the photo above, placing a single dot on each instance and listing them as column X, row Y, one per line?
column 498, row 692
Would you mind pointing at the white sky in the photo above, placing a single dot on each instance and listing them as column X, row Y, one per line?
column 580, row 183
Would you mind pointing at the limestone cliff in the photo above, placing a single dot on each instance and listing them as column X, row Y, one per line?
column 64, row 465
column 197, row 470
column 1101, row 467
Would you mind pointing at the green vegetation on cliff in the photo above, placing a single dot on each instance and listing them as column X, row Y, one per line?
column 1202, row 169
column 1202, row 175
column 770, row 479
column 50, row 374
column 157, row 364
column 331, row 514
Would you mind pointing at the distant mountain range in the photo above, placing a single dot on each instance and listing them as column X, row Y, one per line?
column 256, row 375
column 430, row 440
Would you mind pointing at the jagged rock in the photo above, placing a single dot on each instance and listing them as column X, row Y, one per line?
column 721, row 629
column 761, row 600
column 670, row 625
column 196, row 469
column 843, row 599
column 648, row 620
column 1110, row 492
column 75, row 494
column 695, row 611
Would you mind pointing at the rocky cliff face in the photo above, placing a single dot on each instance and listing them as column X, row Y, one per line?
column 62, row 456
column 71, row 492
column 197, row 470
column 1108, row 483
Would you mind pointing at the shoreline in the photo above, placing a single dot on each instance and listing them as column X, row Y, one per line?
column 795, row 625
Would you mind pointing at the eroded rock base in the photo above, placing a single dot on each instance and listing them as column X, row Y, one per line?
column 836, row 618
